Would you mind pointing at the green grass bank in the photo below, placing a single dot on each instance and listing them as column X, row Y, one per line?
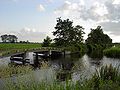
column 10, row 48
column 113, row 52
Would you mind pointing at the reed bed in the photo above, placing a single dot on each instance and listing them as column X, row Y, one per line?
column 8, row 71
column 113, row 52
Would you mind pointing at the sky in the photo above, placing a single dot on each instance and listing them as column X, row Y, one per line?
column 33, row 20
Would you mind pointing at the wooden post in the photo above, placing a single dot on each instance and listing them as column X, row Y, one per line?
column 50, row 52
column 24, row 56
column 64, row 53
column 36, row 62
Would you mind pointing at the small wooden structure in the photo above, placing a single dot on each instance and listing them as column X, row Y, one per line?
column 21, row 57
column 48, row 53
column 24, row 57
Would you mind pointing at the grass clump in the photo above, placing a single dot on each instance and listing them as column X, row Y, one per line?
column 8, row 71
column 113, row 52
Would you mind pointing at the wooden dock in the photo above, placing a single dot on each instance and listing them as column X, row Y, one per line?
column 45, row 53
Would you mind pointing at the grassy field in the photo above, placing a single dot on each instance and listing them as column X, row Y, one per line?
column 9, row 48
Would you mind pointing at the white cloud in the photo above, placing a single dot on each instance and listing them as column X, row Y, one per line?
column 50, row 0
column 40, row 8
column 113, row 27
column 67, row 8
column 101, row 12
column 116, row 2
column 82, row 2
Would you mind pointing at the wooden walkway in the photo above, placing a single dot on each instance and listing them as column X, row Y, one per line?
column 8, row 53
column 44, row 52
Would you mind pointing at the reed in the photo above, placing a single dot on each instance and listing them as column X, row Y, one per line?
column 106, row 78
column 8, row 71
column 113, row 52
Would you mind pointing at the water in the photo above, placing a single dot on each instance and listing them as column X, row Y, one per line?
column 60, row 68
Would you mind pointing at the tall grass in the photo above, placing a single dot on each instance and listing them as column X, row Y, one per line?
column 106, row 78
column 112, row 52
column 8, row 71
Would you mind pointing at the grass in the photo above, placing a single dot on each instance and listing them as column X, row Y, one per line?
column 106, row 78
column 9, row 48
column 8, row 71
column 113, row 52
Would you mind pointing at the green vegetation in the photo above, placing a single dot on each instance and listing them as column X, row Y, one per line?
column 9, row 38
column 66, row 34
column 112, row 52
column 96, row 36
column 47, row 42
column 94, row 47
column 8, row 71
column 97, row 41
column 9, row 48
column 106, row 78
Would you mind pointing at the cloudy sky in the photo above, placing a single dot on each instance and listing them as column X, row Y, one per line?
column 33, row 20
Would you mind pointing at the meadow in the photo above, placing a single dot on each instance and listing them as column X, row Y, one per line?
column 9, row 48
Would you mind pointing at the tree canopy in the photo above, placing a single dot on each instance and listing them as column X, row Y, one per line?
column 9, row 38
column 96, row 36
column 67, row 34
column 47, row 42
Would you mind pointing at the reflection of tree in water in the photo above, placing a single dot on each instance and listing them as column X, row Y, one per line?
column 66, row 64
column 95, row 58
column 96, row 55
column 79, row 65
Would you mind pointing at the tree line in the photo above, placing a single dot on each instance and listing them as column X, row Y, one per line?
column 11, row 39
column 66, row 34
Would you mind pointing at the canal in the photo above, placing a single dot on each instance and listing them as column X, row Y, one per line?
column 71, row 67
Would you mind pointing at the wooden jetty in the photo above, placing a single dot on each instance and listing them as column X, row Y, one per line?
column 20, row 57
column 48, row 53
column 45, row 53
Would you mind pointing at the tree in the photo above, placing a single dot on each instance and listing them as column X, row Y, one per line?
column 66, row 34
column 47, row 42
column 4, row 38
column 12, row 38
column 96, row 36
column 9, row 38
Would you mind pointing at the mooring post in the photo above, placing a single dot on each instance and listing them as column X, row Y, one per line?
column 24, row 56
column 36, row 62
column 36, row 56
column 50, row 52
column 64, row 52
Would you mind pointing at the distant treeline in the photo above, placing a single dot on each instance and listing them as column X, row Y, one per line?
column 12, row 39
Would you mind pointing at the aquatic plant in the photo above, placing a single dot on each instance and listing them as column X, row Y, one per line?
column 106, row 78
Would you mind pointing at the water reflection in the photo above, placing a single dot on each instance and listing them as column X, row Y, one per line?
column 96, row 55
